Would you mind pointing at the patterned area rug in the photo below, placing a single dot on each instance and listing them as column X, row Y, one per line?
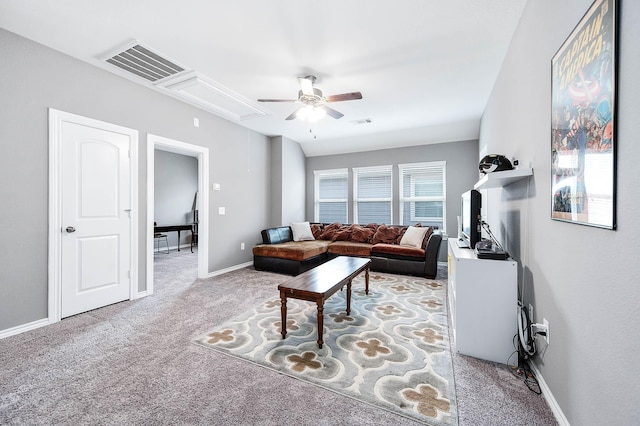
column 392, row 351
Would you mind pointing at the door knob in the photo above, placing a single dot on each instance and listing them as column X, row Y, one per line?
column 70, row 229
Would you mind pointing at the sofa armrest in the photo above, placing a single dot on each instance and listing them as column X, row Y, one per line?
column 431, row 254
column 280, row 234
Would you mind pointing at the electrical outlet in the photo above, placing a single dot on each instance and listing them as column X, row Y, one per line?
column 531, row 312
column 545, row 323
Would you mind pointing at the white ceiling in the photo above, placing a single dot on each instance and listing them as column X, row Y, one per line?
column 425, row 68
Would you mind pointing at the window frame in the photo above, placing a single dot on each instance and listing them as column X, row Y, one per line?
column 404, row 170
column 383, row 169
column 317, row 176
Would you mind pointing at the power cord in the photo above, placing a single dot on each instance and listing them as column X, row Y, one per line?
column 523, row 370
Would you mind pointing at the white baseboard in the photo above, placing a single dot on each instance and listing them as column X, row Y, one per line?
column 163, row 249
column 231, row 268
column 548, row 396
column 24, row 327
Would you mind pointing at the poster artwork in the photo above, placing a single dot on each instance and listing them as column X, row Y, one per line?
column 583, row 79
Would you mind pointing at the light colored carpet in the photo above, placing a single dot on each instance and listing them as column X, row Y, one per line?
column 134, row 363
column 392, row 351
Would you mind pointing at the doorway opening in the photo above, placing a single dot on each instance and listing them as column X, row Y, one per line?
column 154, row 143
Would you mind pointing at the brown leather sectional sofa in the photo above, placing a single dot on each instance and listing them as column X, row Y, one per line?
column 280, row 253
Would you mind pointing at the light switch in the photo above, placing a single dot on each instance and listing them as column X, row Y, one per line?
column 216, row 187
column 221, row 210
column 196, row 122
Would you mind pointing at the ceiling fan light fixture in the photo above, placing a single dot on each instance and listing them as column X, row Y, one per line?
column 311, row 113
column 317, row 114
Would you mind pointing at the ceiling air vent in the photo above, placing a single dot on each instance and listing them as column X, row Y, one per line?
column 143, row 62
column 184, row 84
column 363, row 121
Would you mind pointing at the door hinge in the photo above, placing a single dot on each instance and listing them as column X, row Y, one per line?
column 129, row 273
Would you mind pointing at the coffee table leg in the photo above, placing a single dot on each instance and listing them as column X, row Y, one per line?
column 366, row 281
column 349, row 297
column 320, row 303
column 283, row 313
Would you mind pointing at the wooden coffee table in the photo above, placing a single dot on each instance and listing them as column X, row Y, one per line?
column 319, row 283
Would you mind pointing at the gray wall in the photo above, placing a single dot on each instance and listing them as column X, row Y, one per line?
column 275, row 170
column 175, row 184
column 35, row 78
column 287, row 182
column 583, row 280
column 293, row 182
column 462, row 173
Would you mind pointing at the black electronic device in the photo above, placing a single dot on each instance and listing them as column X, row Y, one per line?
column 487, row 249
column 471, row 205
column 490, row 248
column 494, row 163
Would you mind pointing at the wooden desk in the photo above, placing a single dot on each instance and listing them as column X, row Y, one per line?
column 320, row 283
column 178, row 229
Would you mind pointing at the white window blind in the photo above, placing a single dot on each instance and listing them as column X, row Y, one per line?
column 372, row 200
column 331, row 195
column 423, row 193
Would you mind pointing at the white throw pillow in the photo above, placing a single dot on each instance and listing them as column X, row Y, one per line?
column 302, row 231
column 413, row 236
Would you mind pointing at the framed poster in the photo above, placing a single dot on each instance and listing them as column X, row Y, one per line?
column 583, row 110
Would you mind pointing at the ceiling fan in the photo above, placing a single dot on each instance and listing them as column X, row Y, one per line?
column 314, row 104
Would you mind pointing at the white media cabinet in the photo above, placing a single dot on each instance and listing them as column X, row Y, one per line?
column 483, row 302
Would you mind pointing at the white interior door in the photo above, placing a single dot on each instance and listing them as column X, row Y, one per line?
column 95, row 216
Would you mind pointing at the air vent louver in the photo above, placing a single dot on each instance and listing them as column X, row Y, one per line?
column 144, row 63
column 362, row 121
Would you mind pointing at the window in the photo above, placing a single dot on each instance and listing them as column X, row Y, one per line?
column 422, row 193
column 331, row 195
column 372, row 195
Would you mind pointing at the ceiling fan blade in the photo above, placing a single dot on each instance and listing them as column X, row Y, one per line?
column 344, row 97
column 332, row 112
column 293, row 114
column 277, row 100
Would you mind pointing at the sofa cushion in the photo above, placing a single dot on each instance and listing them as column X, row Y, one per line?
column 301, row 231
column 329, row 231
column 360, row 234
column 293, row 250
column 413, row 237
column 398, row 252
column 316, row 230
column 350, row 248
column 427, row 235
column 385, row 234
column 342, row 234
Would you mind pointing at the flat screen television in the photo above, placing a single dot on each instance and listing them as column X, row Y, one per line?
column 471, row 205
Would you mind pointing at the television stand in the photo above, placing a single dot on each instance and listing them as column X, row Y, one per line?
column 482, row 301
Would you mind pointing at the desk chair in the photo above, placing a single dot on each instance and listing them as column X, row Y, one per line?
column 157, row 237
